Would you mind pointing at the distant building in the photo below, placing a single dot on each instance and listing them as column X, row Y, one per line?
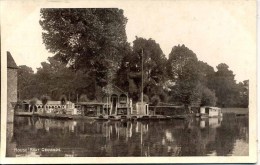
column 11, row 86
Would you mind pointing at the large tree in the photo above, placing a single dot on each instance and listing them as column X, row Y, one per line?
column 91, row 40
column 225, row 86
column 183, row 70
column 205, row 72
column 243, row 97
column 154, row 61
column 27, row 86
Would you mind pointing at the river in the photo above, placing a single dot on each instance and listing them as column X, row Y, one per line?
column 194, row 137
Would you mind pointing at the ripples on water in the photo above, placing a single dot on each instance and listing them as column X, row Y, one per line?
column 193, row 137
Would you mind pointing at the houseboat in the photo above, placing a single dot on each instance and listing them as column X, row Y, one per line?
column 55, row 107
column 206, row 112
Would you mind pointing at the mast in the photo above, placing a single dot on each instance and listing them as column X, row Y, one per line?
column 142, row 92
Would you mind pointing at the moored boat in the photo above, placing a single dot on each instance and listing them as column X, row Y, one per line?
column 208, row 112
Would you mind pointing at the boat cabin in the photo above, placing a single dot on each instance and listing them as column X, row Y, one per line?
column 211, row 111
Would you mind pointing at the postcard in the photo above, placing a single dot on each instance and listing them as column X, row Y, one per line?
column 128, row 81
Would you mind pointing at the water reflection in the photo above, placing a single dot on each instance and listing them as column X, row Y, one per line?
column 194, row 137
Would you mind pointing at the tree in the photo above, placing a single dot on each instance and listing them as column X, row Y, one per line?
column 45, row 100
column 85, row 39
column 205, row 72
column 208, row 97
column 130, row 73
column 243, row 97
column 83, row 98
column 155, row 102
column 182, row 69
column 146, row 99
column 225, row 86
column 203, row 96
column 26, row 81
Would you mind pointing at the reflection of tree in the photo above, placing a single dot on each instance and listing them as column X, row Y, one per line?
column 227, row 134
column 191, row 141
column 163, row 138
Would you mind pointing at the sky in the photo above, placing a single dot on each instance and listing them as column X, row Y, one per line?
column 217, row 31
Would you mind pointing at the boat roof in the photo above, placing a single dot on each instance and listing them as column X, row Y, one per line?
column 210, row 107
column 215, row 107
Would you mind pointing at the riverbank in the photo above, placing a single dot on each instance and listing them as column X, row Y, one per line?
column 235, row 110
column 55, row 116
column 105, row 117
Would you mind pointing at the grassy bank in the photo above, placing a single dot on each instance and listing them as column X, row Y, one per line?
column 235, row 110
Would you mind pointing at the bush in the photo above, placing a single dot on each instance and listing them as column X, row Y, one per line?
column 155, row 100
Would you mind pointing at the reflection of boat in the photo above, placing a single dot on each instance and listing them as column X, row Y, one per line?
column 102, row 118
column 114, row 118
column 213, row 122
column 202, row 124
column 123, row 118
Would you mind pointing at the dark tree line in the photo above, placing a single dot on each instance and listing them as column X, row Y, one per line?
column 91, row 52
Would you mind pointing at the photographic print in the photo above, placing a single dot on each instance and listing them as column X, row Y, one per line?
column 133, row 81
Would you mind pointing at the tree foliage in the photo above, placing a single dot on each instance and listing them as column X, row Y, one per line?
column 225, row 86
column 182, row 69
column 26, row 82
column 91, row 40
column 154, row 70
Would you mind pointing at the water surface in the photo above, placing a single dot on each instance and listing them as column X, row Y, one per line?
column 193, row 137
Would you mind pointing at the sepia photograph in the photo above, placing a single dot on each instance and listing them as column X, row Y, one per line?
column 132, row 81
